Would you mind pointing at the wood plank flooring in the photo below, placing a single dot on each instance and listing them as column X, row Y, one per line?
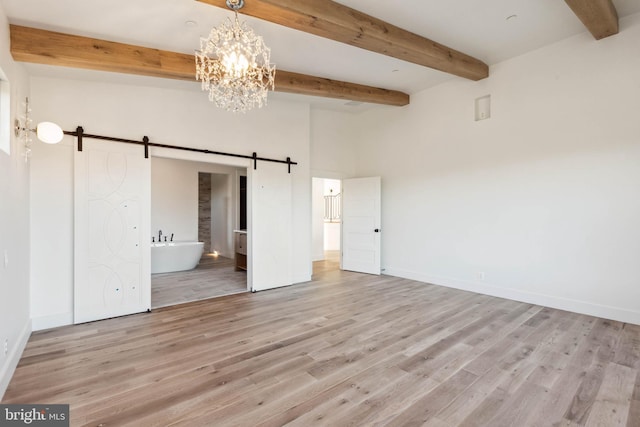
column 343, row 350
column 213, row 277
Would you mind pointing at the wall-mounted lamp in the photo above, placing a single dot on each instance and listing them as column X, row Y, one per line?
column 46, row 132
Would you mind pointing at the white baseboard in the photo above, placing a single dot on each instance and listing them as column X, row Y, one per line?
column 6, row 371
column 561, row 303
column 52, row 321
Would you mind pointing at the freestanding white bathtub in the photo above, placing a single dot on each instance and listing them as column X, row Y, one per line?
column 175, row 256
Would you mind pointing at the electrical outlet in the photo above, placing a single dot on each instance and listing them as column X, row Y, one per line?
column 6, row 346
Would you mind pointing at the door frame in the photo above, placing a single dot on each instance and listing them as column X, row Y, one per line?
column 236, row 220
column 312, row 216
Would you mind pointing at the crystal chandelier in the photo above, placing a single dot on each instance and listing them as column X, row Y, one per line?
column 233, row 65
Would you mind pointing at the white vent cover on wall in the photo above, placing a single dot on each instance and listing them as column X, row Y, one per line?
column 483, row 108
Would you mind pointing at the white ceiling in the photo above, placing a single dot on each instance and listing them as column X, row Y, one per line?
column 477, row 28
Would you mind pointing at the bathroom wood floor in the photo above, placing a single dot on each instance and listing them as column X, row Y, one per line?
column 346, row 349
column 213, row 277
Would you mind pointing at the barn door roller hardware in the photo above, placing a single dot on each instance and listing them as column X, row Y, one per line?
column 79, row 133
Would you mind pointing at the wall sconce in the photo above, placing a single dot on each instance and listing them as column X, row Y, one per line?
column 47, row 132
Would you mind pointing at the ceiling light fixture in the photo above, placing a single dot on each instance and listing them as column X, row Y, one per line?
column 233, row 64
column 46, row 132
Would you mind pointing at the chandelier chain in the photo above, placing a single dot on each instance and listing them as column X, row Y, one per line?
column 235, row 4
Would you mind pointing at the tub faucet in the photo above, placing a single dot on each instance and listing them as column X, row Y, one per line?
column 159, row 235
column 172, row 237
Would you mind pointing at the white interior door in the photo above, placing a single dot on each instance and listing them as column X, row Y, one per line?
column 361, row 225
column 112, row 210
column 270, row 237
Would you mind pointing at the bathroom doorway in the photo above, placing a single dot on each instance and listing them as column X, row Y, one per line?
column 194, row 205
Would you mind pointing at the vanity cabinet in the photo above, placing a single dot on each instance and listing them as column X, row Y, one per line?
column 241, row 249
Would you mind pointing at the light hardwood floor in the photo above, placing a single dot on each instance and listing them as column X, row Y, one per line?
column 344, row 350
column 213, row 277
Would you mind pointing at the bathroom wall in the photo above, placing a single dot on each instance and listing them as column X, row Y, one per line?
column 223, row 210
column 204, row 210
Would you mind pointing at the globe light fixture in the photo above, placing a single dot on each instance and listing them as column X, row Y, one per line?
column 47, row 132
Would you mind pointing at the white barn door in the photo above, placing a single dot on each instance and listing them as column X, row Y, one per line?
column 270, row 236
column 112, row 251
column 361, row 225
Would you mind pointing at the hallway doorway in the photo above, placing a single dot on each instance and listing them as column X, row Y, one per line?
column 330, row 263
column 326, row 223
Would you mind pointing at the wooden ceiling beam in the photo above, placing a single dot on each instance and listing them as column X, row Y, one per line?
column 53, row 48
column 326, row 18
column 599, row 16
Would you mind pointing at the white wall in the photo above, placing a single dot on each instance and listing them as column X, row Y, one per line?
column 222, row 214
column 333, row 157
column 15, row 323
column 52, row 234
column 174, row 200
column 179, row 117
column 540, row 202
column 333, row 138
column 332, row 187
column 332, row 236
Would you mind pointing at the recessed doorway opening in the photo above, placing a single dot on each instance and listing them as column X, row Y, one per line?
column 197, row 203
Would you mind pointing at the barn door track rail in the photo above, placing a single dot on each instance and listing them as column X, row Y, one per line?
column 79, row 133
